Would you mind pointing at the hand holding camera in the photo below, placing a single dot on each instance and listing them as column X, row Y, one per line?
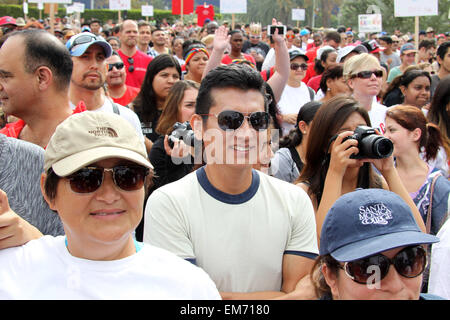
column 180, row 142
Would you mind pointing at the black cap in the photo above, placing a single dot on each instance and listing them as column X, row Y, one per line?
column 297, row 53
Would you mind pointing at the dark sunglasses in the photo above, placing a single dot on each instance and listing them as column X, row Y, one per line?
column 295, row 66
column 233, row 120
column 368, row 74
column 131, row 67
column 409, row 263
column 89, row 179
column 118, row 65
column 86, row 38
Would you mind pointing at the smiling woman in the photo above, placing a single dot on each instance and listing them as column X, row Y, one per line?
column 95, row 172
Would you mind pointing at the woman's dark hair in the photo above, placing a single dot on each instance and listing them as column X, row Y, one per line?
column 169, row 116
column 332, row 73
column 328, row 120
column 51, row 184
column 272, row 107
column 439, row 114
column 405, row 79
column 411, row 118
column 190, row 44
column 295, row 136
column 145, row 102
column 318, row 67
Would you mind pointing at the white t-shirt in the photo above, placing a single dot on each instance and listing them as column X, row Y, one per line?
column 270, row 59
column 292, row 99
column 125, row 112
column 44, row 269
column 239, row 240
column 377, row 116
column 439, row 282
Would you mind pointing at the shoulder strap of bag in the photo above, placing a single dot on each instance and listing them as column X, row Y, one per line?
column 430, row 207
column 296, row 158
column 311, row 93
column 115, row 108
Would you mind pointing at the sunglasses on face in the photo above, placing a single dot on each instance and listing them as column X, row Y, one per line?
column 117, row 65
column 295, row 66
column 89, row 179
column 131, row 67
column 233, row 120
column 368, row 74
column 82, row 39
column 409, row 263
column 290, row 36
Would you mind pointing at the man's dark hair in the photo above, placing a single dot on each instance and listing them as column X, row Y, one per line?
column 333, row 35
column 157, row 29
column 386, row 39
column 44, row 49
column 427, row 44
column 94, row 20
column 442, row 49
column 228, row 76
column 143, row 24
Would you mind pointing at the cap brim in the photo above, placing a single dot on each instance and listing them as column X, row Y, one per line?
column 81, row 48
column 72, row 163
column 299, row 55
column 371, row 246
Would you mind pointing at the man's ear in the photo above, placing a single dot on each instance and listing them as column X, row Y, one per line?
column 51, row 203
column 44, row 77
column 197, row 126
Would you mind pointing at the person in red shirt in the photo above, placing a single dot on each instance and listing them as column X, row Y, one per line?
column 115, row 79
column 135, row 61
column 34, row 86
column 236, row 42
column 326, row 57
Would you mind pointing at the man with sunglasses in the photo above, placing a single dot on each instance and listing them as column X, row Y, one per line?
column 115, row 80
column 89, row 54
column 95, row 173
column 135, row 61
column 252, row 233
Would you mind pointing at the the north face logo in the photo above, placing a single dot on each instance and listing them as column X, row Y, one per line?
column 375, row 214
column 104, row 132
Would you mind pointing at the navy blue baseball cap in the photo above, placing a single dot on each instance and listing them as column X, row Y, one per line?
column 369, row 221
column 79, row 43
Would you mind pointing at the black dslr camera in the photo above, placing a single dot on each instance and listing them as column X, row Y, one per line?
column 370, row 144
column 182, row 131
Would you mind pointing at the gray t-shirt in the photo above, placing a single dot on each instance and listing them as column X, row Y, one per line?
column 283, row 167
column 21, row 165
column 395, row 59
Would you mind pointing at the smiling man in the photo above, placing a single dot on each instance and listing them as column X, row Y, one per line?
column 89, row 54
column 253, row 234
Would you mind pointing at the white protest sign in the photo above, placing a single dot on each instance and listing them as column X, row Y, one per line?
column 415, row 8
column 25, row 8
column 147, row 11
column 50, row 1
column 233, row 6
column 370, row 22
column 119, row 4
column 70, row 9
column 78, row 7
column 298, row 14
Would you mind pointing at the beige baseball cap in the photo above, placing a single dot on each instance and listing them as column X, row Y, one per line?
column 90, row 136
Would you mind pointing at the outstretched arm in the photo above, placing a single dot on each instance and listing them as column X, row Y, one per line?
column 221, row 40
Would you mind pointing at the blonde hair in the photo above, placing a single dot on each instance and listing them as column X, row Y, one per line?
column 208, row 39
column 255, row 28
column 360, row 62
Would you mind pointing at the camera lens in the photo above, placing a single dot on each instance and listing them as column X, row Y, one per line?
column 383, row 147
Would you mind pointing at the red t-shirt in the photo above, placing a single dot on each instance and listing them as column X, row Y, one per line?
column 314, row 82
column 127, row 97
column 204, row 13
column 188, row 7
column 140, row 63
column 13, row 129
column 311, row 54
column 227, row 60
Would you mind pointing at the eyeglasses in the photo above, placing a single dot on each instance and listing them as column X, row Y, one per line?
column 409, row 263
column 131, row 67
column 255, row 37
column 233, row 120
column 86, row 38
column 118, row 65
column 368, row 74
column 295, row 66
column 89, row 179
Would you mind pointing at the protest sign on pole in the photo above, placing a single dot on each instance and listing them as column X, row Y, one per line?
column 119, row 5
column 370, row 23
column 415, row 8
column 25, row 10
column 233, row 7
column 147, row 11
column 298, row 15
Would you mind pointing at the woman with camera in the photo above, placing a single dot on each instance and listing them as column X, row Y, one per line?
column 172, row 160
column 335, row 164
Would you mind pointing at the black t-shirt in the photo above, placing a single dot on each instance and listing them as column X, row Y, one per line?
column 261, row 48
column 434, row 83
column 148, row 127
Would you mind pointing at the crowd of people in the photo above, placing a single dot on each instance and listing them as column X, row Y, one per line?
column 222, row 162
